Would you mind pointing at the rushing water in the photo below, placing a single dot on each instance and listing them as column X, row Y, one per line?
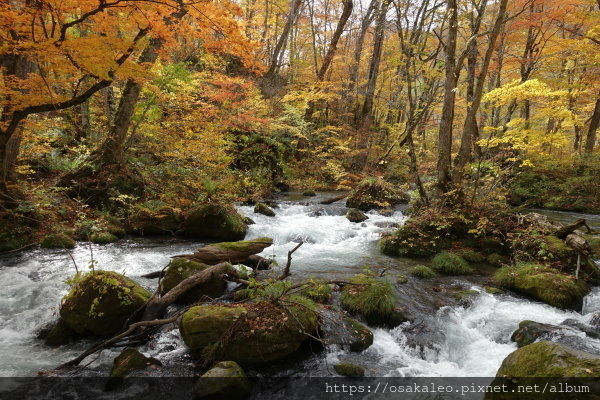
column 443, row 339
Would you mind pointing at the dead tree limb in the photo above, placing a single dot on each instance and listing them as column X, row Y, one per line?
column 563, row 232
column 334, row 199
column 233, row 252
column 286, row 271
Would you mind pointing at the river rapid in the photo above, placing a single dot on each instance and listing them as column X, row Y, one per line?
column 444, row 338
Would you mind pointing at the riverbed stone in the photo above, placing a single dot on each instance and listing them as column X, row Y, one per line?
column 100, row 302
column 59, row 334
column 218, row 222
column 262, row 208
column 251, row 333
column 530, row 331
column 354, row 215
column 341, row 329
column 182, row 268
column 349, row 370
column 549, row 359
column 225, row 380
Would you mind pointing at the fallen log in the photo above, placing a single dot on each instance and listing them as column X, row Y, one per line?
column 334, row 199
column 566, row 230
column 233, row 252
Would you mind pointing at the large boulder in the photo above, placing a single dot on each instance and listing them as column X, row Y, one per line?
column 262, row 208
column 354, row 215
column 101, row 302
column 375, row 193
column 530, row 331
column 216, row 222
column 372, row 299
column 544, row 284
column 340, row 329
column 225, row 380
column 180, row 269
column 131, row 360
column 57, row 241
column 251, row 333
column 164, row 221
column 548, row 359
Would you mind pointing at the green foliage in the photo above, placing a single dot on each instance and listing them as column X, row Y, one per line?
column 495, row 259
column 103, row 237
column 318, row 291
column 450, row 264
column 422, row 272
column 57, row 241
column 370, row 297
column 470, row 255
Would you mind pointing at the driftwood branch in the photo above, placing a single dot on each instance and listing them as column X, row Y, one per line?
column 231, row 252
column 334, row 199
column 568, row 229
column 286, row 271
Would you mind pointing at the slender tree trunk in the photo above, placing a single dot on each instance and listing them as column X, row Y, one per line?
column 346, row 12
column 365, row 23
column 590, row 140
column 281, row 43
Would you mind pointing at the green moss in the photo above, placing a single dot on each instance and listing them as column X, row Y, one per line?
column 349, row 370
column 217, row 222
column 544, row 283
column 401, row 279
column 371, row 298
column 262, row 208
column 493, row 290
column 309, row 193
column 464, row 295
column 225, row 380
column 103, row 238
column 549, row 360
column 594, row 242
column 182, row 268
column 496, row 260
column 471, row 255
column 241, row 295
column 243, row 245
column 408, row 242
column 318, row 291
column 422, row 272
column 165, row 220
column 116, row 230
column 100, row 302
column 57, row 241
column 450, row 264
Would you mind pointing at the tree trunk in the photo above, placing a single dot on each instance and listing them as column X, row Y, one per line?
column 590, row 140
column 293, row 13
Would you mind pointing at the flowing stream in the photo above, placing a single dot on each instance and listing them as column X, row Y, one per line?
column 444, row 338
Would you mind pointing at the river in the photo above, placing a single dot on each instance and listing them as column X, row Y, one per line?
column 444, row 338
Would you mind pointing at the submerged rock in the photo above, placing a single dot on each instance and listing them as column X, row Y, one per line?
column 100, row 302
column 225, row 380
column 375, row 193
column 180, row 269
column 57, row 241
column 545, row 284
column 248, row 333
column 262, row 208
column 548, row 359
column 215, row 222
column 354, row 215
column 350, row 370
column 309, row 193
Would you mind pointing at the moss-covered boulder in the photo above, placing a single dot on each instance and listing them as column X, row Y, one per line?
column 103, row 238
column 318, row 291
column 448, row 263
column 248, row 333
column 410, row 242
column 544, row 284
column 422, row 272
column 216, row 222
column 57, row 241
column 131, row 360
column 164, row 221
column 340, row 329
column 262, row 208
column 59, row 334
column 349, row 370
column 371, row 298
column 180, row 269
column 530, row 331
column 493, row 290
column 470, row 255
column 100, row 302
column 549, row 360
column 465, row 296
column 309, row 193
column 354, row 215
column 375, row 193
column 225, row 380
column 496, row 260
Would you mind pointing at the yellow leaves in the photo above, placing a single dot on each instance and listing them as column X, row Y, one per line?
column 529, row 90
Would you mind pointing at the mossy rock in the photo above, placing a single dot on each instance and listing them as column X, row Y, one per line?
column 164, row 221
column 549, row 360
column 407, row 242
column 131, row 360
column 309, row 193
column 319, row 292
column 116, row 230
column 375, row 193
column 530, row 331
column 496, row 260
column 354, row 215
column 225, row 380
column 100, row 302
column 463, row 296
column 471, row 256
column 349, row 370
column 448, row 263
column 371, row 298
column 251, row 333
column 57, row 241
column 338, row 328
column 59, row 335
column 262, row 208
column 103, row 238
column 544, row 284
column 493, row 290
column 216, row 222
column 182, row 268
column 594, row 242
column 401, row 279
column 422, row 272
